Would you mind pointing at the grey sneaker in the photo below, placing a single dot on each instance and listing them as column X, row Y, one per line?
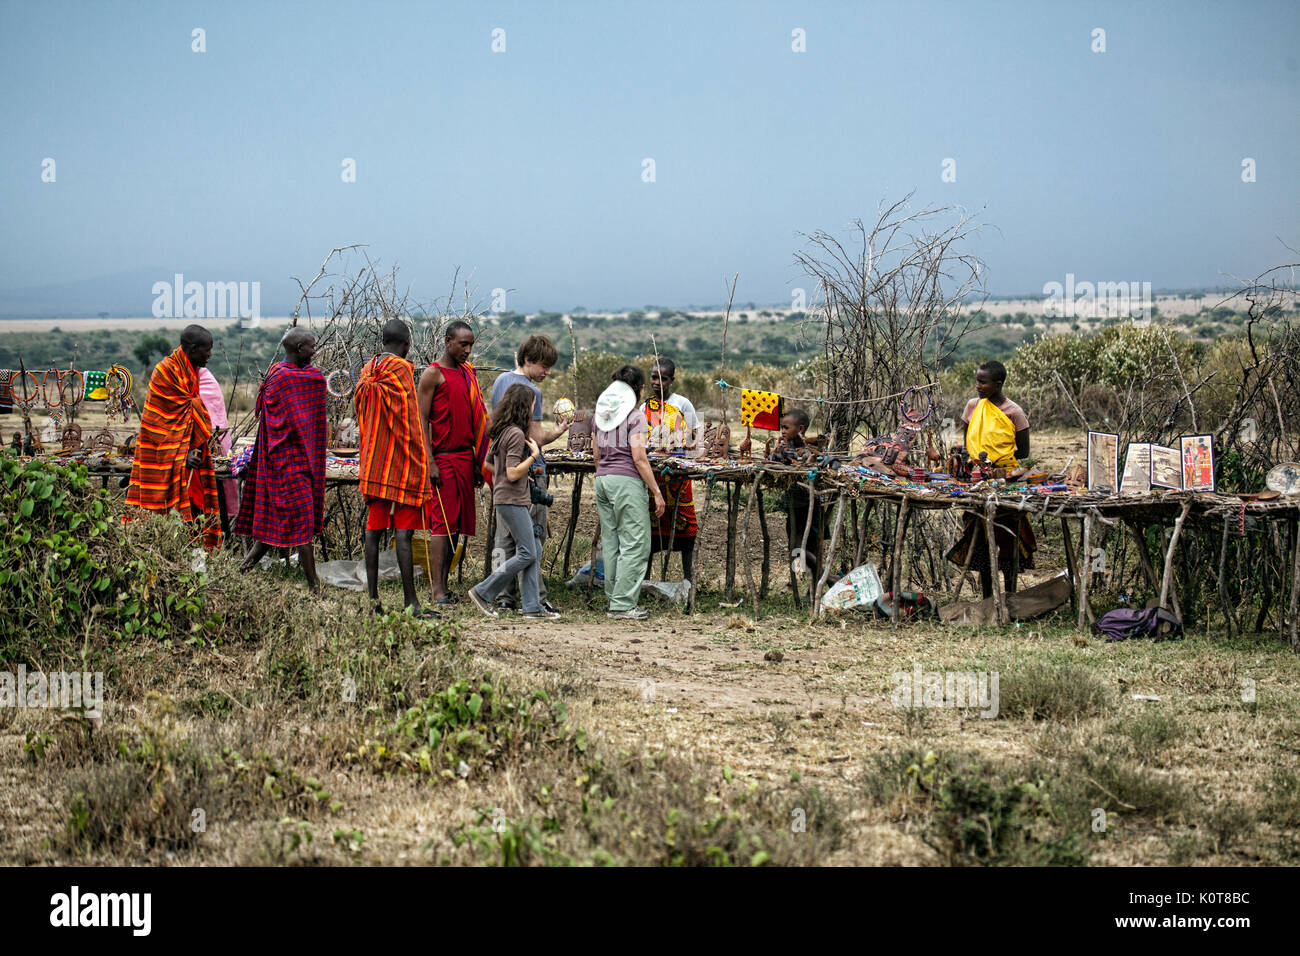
column 481, row 604
column 634, row 614
column 542, row 615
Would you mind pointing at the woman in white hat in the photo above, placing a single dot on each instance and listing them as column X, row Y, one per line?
column 623, row 477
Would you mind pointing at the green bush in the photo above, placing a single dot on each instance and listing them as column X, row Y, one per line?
column 467, row 727
column 70, row 570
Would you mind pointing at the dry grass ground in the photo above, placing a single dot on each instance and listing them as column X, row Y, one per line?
column 683, row 739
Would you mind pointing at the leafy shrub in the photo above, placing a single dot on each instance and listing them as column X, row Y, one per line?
column 68, row 568
column 976, row 813
column 469, row 726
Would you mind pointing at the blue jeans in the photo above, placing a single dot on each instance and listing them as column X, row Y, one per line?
column 526, row 561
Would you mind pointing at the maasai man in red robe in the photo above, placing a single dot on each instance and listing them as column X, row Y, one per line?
column 172, row 469
column 284, row 484
column 452, row 403
column 394, row 460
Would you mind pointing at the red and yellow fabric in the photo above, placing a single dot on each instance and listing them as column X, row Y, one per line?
column 667, row 424
column 761, row 409
column 394, row 459
column 174, row 422
column 991, row 431
column 668, row 427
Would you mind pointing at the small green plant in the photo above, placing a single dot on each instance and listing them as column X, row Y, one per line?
column 466, row 727
column 34, row 745
column 1043, row 692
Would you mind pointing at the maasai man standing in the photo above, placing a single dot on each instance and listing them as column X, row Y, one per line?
column 394, row 459
column 673, row 416
column 172, row 468
column 284, row 484
column 452, row 403
column 998, row 427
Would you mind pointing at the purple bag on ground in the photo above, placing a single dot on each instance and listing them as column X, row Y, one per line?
column 1125, row 622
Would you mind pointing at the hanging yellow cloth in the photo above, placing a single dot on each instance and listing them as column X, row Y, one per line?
column 991, row 431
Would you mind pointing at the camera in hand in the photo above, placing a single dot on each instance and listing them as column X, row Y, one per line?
column 538, row 495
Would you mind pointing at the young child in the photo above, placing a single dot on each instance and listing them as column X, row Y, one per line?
column 512, row 456
column 792, row 449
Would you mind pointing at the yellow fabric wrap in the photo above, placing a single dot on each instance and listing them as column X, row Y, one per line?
column 991, row 431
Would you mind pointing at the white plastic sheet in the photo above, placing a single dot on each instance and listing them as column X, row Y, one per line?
column 859, row 588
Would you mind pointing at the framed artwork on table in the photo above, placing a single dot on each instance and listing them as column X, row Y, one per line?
column 1137, row 469
column 1197, row 453
column 1166, row 468
column 1103, row 462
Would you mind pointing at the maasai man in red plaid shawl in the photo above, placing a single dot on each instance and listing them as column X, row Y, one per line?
column 284, row 485
column 172, row 469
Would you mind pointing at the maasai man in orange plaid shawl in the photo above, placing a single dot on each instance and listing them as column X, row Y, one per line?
column 284, row 485
column 452, row 404
column 172, row 469
column 394, row 459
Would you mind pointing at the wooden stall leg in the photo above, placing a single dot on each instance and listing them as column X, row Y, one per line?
column 672, row 535
column 807, row 531
column 1085, row 575
column 862, row 538
column 1169, row 554
column 733, row 512
column 995, row 572
column 828, row 559
column 487, row 542
column 1069, row 564
column 896, row 565
column 965, row 569
column 1229, row 617
column 766, row 576
column 575, row 505
column 1294, row 624
column 744, row 544
column 591, row 564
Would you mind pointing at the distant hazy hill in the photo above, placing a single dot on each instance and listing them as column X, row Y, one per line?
column 122, row 294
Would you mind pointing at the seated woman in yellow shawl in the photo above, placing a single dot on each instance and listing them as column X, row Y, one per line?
column 999, row 428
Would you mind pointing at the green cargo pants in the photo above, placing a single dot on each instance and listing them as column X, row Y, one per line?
column 624, row 537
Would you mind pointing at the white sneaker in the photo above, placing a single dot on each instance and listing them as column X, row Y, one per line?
column 635, row 614
column 542, row 615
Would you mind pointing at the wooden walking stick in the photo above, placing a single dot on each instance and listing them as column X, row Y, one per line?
column 459, row 553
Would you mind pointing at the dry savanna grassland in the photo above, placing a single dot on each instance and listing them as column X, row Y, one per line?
column 246, row 722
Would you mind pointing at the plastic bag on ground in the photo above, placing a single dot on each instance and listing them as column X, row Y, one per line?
column 678, row 591
column 583, row 577
column 859, row 588
column 352, row 574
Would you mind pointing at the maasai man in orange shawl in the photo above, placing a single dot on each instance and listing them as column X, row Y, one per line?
column 172, row 467
column 998, row 427
column 284, row 484
column 394, row 459
column 452, row 403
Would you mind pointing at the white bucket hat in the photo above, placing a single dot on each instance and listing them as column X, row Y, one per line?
column 614, row 405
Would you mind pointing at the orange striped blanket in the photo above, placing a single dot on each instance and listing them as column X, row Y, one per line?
column 394, row 457
column 173, row 422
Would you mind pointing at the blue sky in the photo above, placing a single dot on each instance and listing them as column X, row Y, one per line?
column 524, row 168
